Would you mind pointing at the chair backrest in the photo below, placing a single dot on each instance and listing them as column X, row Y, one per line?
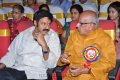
column 28, row 12
column 57, row 26
column 57, row 13
column 68, row 16
column 10, row 3
column 4, row 37
column 103, row 2
column 39, row 2
column 118, row 75
column 8, row 12
column 95, row 1
column 0, row 3
column 109, row 27
column 2, row 15
column 24, row 25
column 6, row 9
column 103, row 11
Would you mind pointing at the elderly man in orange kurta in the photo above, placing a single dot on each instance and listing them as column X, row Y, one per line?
column 90, row 52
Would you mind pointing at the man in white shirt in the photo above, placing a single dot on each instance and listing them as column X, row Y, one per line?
column 64, row 4
column 88, row 5
column 32, row 52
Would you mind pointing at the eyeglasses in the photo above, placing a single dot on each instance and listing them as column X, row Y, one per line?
column 82, row 24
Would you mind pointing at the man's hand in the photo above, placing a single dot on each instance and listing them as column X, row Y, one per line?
column 64, row 58
column 2, row 66
column 76, row 71
column 39, row 36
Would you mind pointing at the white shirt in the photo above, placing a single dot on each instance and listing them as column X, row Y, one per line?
column 25, row 54
column 88, row 5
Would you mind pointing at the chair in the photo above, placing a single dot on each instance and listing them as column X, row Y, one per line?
column 118, row 75
column 59, row 72
column 28, row 12
column 10, row 3
column 59, row 28
column 103, row 11
column 24, row 25
column 6, row 9
column 2, row 15
column 95, row 1
column 39, row 2
column 8, row 12
column 0, row 3
column 103, row 2
column 109, row 27
column 57, row 13
column 68, row 16
column 4, row 37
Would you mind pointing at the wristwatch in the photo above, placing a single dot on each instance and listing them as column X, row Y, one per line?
column 45, row 52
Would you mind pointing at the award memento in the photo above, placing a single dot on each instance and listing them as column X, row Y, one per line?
column 90, row 54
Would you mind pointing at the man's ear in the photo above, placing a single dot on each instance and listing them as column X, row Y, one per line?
column 35, row 23
column 78, row 25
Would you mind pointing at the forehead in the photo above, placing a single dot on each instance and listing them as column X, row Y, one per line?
column 88, row 16
column 113, row 9
column 74, row 9
column 16, row 9
column 45, row 19
column 85, row 18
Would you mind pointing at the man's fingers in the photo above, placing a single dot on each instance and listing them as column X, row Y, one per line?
column 66, row 55
column 65, row 60
column 69, row 54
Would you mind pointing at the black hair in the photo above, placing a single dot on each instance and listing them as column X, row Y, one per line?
column 35, row 2
column 44, row 5
column 19, row 7
column 78, row 7
column 116, row 6
column 41, row 14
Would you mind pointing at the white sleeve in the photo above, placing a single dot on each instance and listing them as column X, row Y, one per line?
column 55, row 51
column 9, row 58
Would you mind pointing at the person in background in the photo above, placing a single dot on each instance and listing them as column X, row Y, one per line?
column 32, row 4
column 114, row 15
column 88, row 5
column 18, row 16
column 75, row 11
column 90, row 51
column 48, row 2
column 64, row 4
column 44, row 7
column 32, row 52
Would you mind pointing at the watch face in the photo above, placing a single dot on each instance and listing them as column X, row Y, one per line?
column 45, row 52
column 91, row 54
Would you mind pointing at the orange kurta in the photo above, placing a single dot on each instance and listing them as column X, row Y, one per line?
column 99, row 69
